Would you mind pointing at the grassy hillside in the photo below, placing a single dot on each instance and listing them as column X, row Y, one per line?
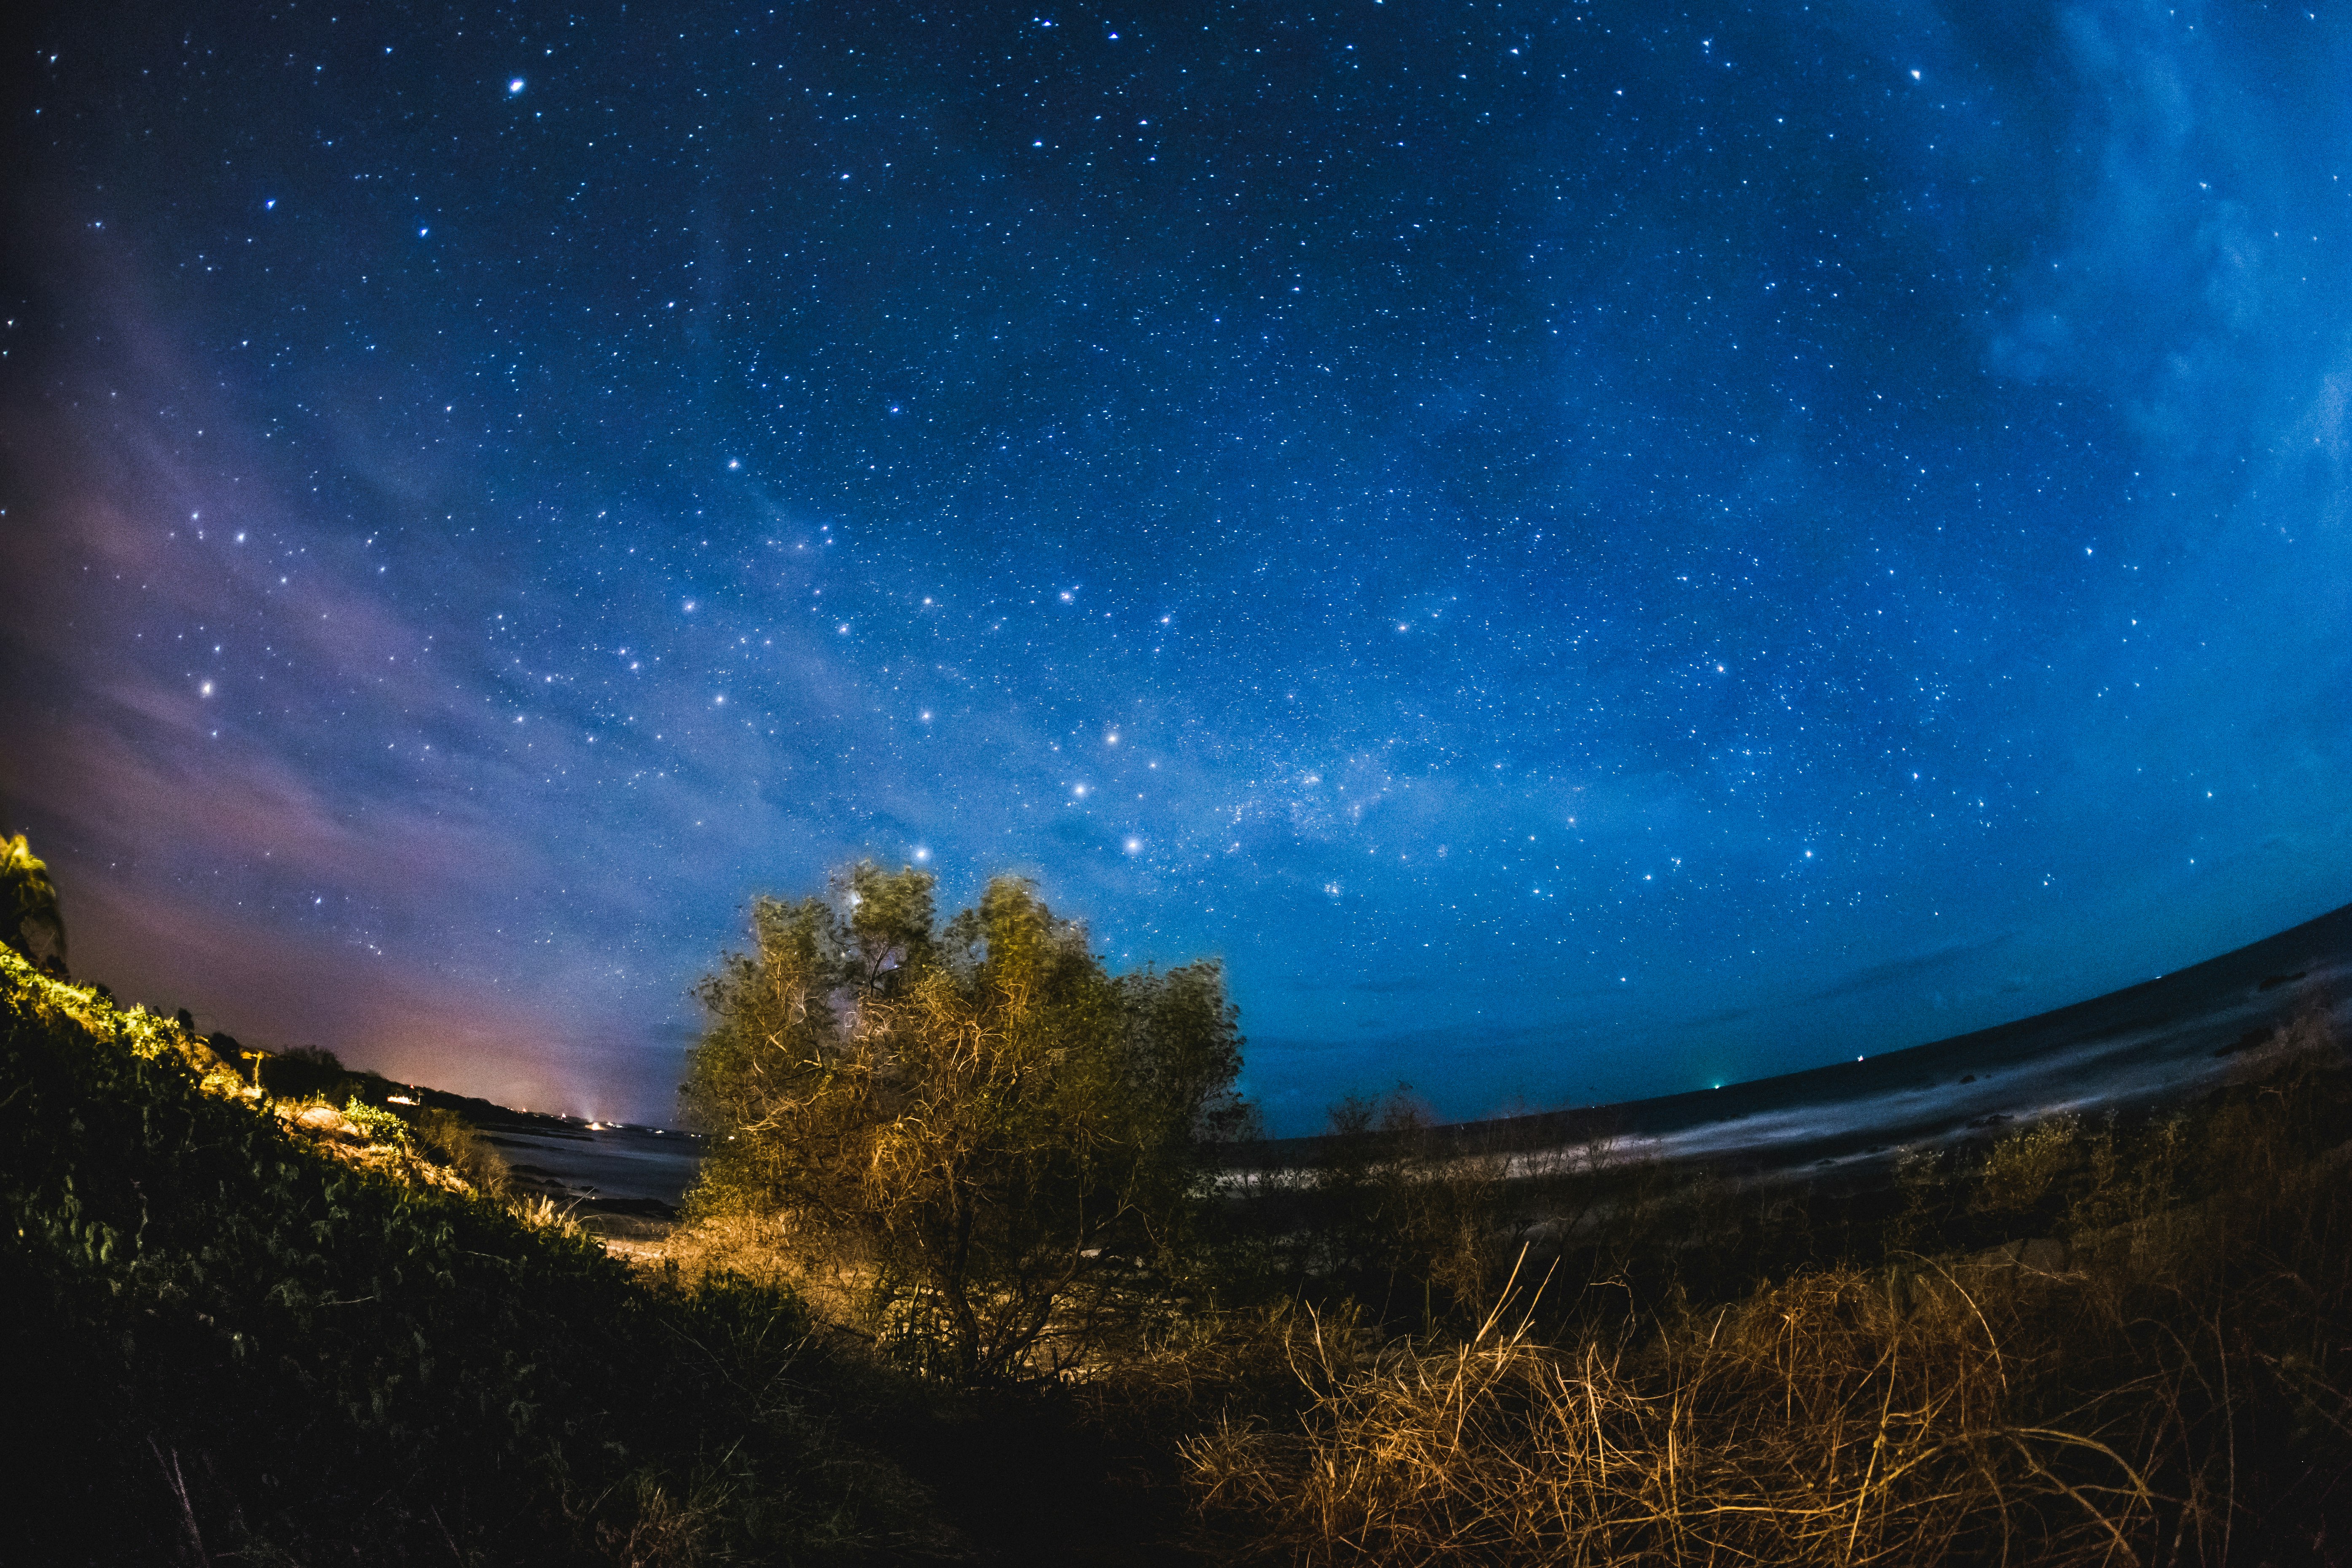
column 240, row 1341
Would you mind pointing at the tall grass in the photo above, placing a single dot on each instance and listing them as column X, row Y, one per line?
column 2165, row 1381
column 1835, row 1419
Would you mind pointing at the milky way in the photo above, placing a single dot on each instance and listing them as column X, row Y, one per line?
column 1585, row 549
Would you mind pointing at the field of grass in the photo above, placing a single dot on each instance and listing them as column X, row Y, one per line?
column 249, row 1335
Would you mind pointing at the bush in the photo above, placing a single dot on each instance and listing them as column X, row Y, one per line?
column 979, row 1120
column 378, row 1125
column 304, row 1071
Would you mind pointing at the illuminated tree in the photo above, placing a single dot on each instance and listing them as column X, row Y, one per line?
column 980, row 1114
column 29, row 919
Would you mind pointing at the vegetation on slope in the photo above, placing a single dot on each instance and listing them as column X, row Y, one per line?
column 30, row 922
column 250, row 1348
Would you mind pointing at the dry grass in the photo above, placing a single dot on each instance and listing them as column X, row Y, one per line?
column 849, row 1294
column 2166, row 1380
column 1838, row 1419
column 746, row 1246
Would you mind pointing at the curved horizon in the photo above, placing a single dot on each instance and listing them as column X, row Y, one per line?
column 1582, row 551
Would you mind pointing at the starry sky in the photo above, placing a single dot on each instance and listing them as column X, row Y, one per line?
column 1584, row 549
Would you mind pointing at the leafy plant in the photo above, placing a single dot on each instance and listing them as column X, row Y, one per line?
column 30, row 919
column 979, row 1117
column 377, row 1124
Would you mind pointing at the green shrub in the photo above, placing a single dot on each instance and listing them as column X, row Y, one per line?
column 379, row 1125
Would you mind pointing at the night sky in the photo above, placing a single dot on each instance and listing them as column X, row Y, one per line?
column 1586, row 550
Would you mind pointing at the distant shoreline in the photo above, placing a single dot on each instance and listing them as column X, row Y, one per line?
column 2162, row 1039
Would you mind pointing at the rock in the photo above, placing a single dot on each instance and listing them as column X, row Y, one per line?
column 325, row 1121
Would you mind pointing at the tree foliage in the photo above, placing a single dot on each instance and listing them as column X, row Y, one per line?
column 30, row 918
column 979, row 1114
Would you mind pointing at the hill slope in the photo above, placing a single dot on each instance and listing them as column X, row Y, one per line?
column 252, row 1342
